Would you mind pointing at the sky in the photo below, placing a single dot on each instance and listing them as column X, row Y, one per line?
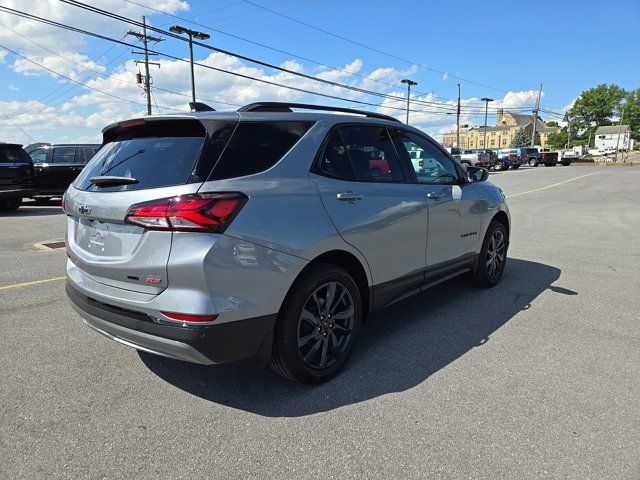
column 60, row 86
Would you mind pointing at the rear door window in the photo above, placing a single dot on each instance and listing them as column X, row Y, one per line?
column 371, row 153
column 63, row 155
column 257, row 146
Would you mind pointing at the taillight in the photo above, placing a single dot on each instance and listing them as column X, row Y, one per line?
column 186, row 317
column 479, row 157
column 421, row 163
column 511, row 158
column 519, row 157
column 203, row 212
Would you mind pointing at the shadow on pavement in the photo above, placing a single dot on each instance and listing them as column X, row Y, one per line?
column 31, row 208
column 398, row 349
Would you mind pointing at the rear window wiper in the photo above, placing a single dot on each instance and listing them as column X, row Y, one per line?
column 109, row 181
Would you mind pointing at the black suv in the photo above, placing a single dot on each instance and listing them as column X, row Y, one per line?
column 56, row 166
column 16, row 176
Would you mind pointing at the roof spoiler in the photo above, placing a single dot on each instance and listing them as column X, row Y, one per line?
column 200, row 107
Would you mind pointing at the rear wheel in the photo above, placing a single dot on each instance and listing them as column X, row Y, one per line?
column 317, row 325
column 515, row 167
column 13, row 204
column 490, row 265
column 533, row 162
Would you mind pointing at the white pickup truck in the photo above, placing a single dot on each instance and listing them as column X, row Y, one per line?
column 475, row 158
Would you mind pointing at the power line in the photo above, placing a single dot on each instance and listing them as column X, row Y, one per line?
column 253, row 60
column 17, row 126
column 81, row 31
column 391, row 55
column 103, row 37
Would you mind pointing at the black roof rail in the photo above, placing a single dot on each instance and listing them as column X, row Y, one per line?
column 200, row 107
column 286, row 107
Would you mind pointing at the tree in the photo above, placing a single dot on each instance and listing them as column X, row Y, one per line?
column 596, row 106
column 632, row 113
column 557, row 140
column 551, row 124
column 522, row 138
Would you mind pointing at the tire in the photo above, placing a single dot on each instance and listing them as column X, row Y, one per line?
column 13, row 204
column 533, row 162
column 515, row 167
column 305, row 334
column 483, row 274
column 498, row 166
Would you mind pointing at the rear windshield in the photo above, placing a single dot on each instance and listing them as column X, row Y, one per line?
column 156, row 154
column 14, row 155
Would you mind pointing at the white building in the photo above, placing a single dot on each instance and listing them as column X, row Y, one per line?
column 606, row 138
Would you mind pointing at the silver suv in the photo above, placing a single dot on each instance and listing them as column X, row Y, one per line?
column 266, row 233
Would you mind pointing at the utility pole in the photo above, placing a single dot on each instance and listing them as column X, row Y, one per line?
column 458, row 120
column 191, row 34
column 536, row 109
column 145, row 39
column 486, row 109
column 409, row 84
column 568, row 120
column 620, row 130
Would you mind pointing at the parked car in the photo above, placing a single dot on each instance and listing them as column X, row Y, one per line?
column 548, row 158
column 454, row 152
column 529, row 155
column 567, row 157
column 475, row 158
column 56, row 166
column 16, row 176
column 218, row 236
column 508, row 158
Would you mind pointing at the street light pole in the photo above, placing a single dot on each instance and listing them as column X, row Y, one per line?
column 192, row 34
column 486, row 109
column 409, row 84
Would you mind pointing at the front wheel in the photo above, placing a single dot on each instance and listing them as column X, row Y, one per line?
column 317, row 325
column 498, row 166
column 533, row 162
column 492, row 259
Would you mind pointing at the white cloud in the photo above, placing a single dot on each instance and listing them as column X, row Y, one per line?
column 12, row 87
column 445, row 76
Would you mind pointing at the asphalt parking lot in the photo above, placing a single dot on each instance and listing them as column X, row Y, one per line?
column 536, row 378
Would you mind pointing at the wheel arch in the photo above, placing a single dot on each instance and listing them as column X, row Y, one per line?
column 355, row 268
column 502, row 217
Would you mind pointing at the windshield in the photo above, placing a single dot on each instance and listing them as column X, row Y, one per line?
column 152, row 161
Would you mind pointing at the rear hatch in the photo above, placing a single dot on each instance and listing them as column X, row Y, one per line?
column 140, row 161
column 16, row 168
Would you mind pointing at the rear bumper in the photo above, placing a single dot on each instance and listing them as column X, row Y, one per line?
column 208, row 344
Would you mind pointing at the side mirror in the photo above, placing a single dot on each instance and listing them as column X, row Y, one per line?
column 477, row 174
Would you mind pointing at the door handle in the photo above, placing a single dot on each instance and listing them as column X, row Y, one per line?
column 432, row 196
column 350, row 197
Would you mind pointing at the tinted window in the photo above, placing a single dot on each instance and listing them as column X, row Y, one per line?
column 84, row 154
column 257, row 146
column 334, row 161
column 39, row 155
column 430, row 165
column 371, row 154
column 13, row 155
column 63, row 155
column 154, row 162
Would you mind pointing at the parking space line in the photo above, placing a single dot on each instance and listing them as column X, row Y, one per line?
column 35, row 282
column 554, row 185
